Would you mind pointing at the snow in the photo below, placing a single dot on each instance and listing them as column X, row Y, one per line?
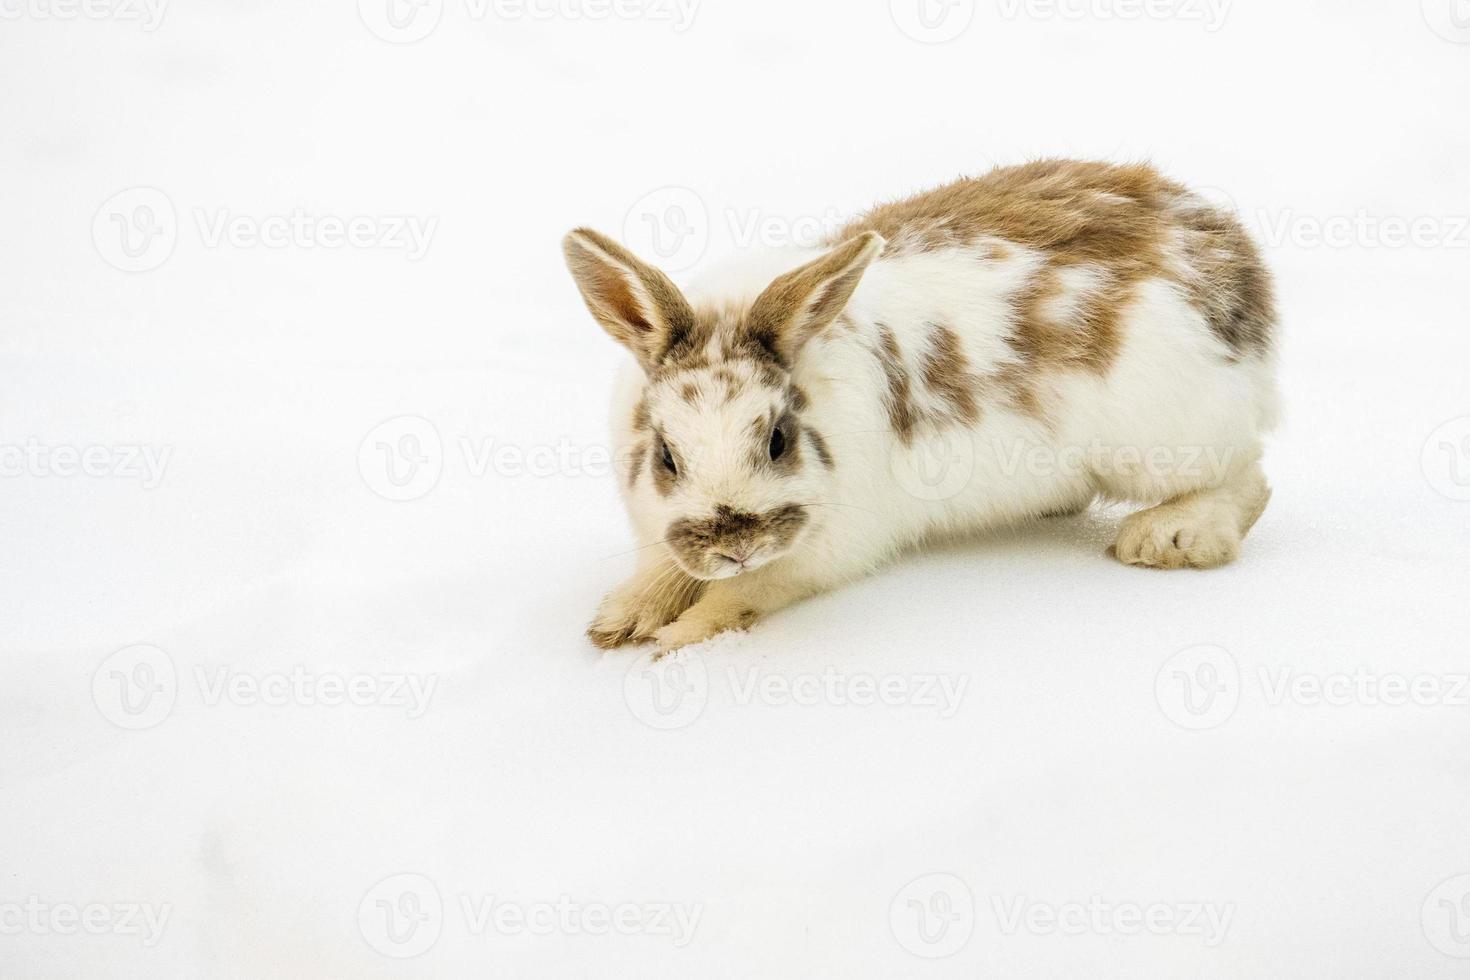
column 1018, row 747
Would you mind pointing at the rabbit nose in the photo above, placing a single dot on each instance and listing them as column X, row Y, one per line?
column 739, row 554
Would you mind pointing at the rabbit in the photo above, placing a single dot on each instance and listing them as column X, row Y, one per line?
column 1002, row 348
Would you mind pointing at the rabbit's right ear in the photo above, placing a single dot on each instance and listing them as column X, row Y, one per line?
column 637, row 304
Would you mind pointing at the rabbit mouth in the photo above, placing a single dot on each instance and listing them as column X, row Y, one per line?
column 734, row 542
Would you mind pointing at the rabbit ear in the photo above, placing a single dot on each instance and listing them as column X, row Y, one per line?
column 635, row 303
column 804, row 302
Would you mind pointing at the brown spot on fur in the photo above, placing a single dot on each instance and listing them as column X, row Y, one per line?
column 641, row 419
column 820, row 445
column 635, row 463
column 898, row 399
column 1228, row 281
column 1088, row 341
column 947, row 374
column 689, row 391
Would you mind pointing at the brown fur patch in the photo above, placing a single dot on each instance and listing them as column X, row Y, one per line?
column 635, row 463
column 947, row 373
column 1119, row 219
column 820, row 445
column 1229, row 282
column 898, row 399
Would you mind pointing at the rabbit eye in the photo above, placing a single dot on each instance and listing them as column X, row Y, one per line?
column 668, row 458
column 778, row 443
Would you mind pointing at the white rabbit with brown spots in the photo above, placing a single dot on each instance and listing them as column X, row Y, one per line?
column 1001, row 348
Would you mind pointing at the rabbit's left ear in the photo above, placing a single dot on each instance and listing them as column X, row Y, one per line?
column 637, row 304
column 804, row 302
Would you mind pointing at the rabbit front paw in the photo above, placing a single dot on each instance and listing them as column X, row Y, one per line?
column 703, row 622
column 639, row 609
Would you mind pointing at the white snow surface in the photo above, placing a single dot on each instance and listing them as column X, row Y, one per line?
column 804, row 832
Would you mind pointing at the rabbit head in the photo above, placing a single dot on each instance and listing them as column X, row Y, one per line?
column 722, row 463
